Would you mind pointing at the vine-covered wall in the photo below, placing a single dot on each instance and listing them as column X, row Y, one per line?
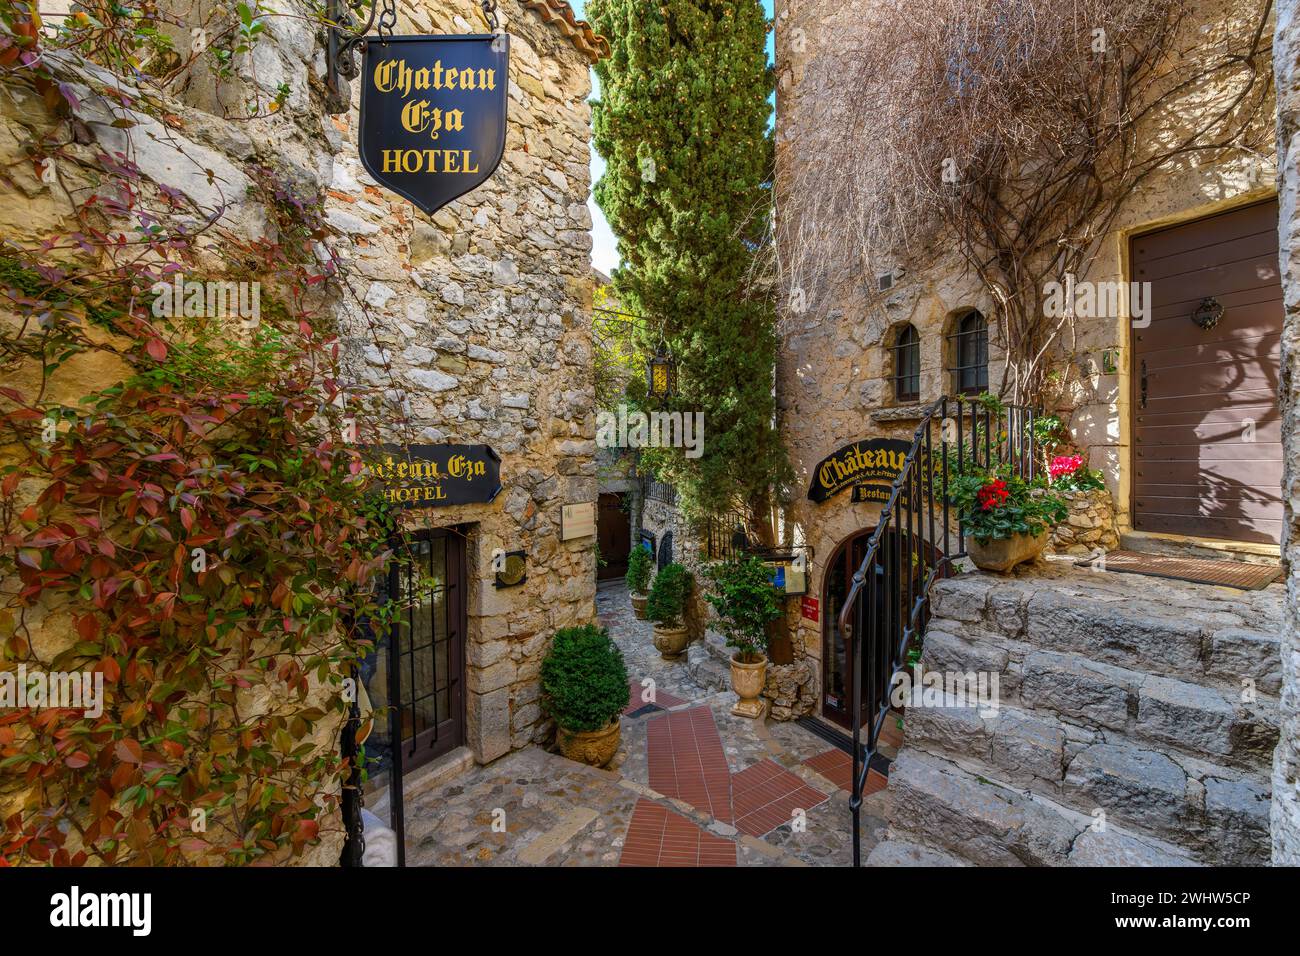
column 180, row 494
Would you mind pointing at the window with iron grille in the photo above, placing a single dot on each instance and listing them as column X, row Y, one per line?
column 907, row 364
column 971, row 349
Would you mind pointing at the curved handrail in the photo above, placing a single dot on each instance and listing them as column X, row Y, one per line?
column 911, row 502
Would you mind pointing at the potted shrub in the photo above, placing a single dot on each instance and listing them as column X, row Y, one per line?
column 746, row 603
column 638, row 579
column 666, row 606
column 585, row 689
column 1007, row 520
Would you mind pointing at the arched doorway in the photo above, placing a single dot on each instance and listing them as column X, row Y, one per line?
column 897, row 550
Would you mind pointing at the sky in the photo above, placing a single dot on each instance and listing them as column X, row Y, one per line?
column 603, row 253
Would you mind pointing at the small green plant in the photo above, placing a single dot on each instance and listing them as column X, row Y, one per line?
column 667, row 600
column 584, row 679
column 746, row 603
column 638, row 570
column 995, row 504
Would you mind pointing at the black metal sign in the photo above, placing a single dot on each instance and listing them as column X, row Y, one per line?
column 873, row 461
column 433, row 113
column 435, row 476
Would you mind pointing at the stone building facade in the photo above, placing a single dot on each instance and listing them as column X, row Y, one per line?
column 477, row 325
column 1285, row 822
column 471, row 327
column 837, row 374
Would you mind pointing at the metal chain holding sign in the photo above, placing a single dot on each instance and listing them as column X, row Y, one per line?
column 490, row 14
column 388, row 18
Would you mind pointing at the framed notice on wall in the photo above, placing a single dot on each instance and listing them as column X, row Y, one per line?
column 577, row 521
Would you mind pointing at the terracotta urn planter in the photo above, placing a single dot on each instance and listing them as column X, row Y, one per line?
column 747, row 680
column 670, row 641
column 1003, row 554
column 593, row 747
column 638, row 604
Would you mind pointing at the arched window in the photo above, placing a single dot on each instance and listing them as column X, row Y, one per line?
column 971, row 340
column 665, row 550
column 907, row 364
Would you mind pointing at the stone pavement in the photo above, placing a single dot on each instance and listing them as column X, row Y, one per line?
column 691, row 785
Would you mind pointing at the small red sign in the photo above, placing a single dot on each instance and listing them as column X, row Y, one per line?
column 810, row 608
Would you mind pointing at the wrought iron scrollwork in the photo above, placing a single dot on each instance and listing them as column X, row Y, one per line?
column 346, row 33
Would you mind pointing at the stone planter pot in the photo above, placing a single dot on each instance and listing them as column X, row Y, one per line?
column 747, row 680
column 1003, row 554
column 593, row 747
column 670, row 641
column 638, row 604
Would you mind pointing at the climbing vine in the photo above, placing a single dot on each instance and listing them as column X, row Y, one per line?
column 197, row 534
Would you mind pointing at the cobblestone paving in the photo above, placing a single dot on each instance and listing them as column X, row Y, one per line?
column 535, row 808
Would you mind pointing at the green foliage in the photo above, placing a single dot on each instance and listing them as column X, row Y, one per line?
column 201, row 528
column 993, row 503
column 638, row 570
column 1048, row 432
column 682, row 123
column 584, row 679
column 746, row 603
column 617, row 356
column 667, row 601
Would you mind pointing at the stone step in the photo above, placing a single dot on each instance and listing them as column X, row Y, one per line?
column 987, row 822
column 708, row 661
column 1202, row 633
column 1220, row 813
column 893, row 852
column 1238, row 728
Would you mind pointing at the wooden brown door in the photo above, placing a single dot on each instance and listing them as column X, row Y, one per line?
column 613, row 535
column 1206, row 431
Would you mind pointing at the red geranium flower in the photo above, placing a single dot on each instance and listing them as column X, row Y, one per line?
column 1064, row 465
column 993, row 494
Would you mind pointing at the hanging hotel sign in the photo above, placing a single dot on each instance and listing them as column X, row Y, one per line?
column 433, row 113
column 872, row 462
column 435, row 476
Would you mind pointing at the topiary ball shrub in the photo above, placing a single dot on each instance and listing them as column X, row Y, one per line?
column 638, row 570
column 584, row 679
column 667, row 601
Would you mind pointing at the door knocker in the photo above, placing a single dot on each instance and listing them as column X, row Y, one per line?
column 1208, row 313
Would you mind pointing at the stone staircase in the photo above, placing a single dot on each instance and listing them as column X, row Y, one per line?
column 1136, row 725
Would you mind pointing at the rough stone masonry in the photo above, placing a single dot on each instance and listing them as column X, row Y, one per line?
column 474, row 326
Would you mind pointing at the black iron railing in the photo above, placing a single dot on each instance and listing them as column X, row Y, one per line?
column 660, row 491
column 887, row 606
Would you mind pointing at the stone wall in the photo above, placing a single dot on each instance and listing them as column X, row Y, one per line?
column 473, row 326
column 833, row 382
column 477, row 326
column 834, row 369
column 1286, row 761
column 1089, row 525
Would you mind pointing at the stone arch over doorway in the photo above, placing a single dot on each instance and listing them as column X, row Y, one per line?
column 897, row 549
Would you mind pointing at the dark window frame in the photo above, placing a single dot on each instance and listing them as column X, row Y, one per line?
column 907, row 364
column 970, row 353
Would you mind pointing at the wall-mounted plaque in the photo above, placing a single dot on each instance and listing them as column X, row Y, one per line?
column 577, row 521
column 435, row 476
column 513, row 570
column 433, row 113
column 789, row 575
column 871, row 461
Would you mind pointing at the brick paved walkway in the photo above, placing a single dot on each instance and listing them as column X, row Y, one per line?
column 692, row 785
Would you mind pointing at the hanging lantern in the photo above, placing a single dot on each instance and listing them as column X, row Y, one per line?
column 661, row 374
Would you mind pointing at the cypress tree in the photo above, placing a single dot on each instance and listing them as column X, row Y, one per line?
column 682, row 123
